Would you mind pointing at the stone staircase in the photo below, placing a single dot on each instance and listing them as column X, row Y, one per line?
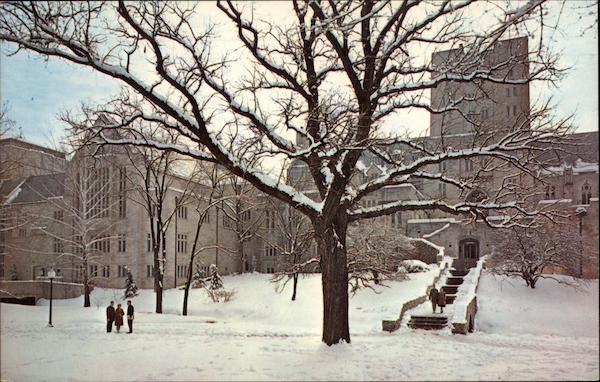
column 437, row 322
column 454, row 281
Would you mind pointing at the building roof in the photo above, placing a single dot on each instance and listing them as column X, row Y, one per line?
column 583, row 146
column 34, row 188
column 31, row 146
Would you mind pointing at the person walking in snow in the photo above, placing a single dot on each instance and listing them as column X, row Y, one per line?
column 433, row 297
column 130, row 316
column 441, row 300
column 110, row 316
column 119, row 313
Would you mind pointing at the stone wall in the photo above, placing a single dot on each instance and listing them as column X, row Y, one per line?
column 40, row 289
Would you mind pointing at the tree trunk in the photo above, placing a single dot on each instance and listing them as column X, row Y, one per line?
column 86, row 286
column 331, row 246
column 186, row 293
column 86, row 295
column 295, row 276
column 242, row 255
column 157, row 280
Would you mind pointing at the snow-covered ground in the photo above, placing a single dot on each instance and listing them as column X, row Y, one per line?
column 261, row 335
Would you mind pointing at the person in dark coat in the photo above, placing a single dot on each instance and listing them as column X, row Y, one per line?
column 119, row 313
column 110, row 316
column 441, row 300
column 433, row 296
column 130, row 316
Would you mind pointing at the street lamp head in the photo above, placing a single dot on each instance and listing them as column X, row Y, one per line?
column 51, row 273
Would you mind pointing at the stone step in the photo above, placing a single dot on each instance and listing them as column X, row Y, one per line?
column 433, row 318
column 429, row 320
column 455, row 272
column 426, row 326
column 450, row 298
column 454, row 280
column 450, row 289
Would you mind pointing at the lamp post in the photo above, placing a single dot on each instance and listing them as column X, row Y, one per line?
column 51, row 276
column 581, row 212
column 176, row 243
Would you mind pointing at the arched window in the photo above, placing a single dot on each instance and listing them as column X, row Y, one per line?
column 586, row 193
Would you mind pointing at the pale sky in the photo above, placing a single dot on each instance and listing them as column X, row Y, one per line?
column 37, row 90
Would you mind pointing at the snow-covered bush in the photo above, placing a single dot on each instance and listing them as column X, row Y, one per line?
column 413, row 266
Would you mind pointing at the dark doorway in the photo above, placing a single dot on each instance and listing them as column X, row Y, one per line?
column 468, row 250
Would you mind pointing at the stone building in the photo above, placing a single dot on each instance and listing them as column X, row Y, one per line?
column 68, row 207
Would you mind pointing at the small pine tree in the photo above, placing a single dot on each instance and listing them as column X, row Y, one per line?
column 215, row 280
column 13, row 273
column 130, row 287
column 214, row 287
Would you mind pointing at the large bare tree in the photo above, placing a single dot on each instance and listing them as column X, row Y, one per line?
column 331, row 76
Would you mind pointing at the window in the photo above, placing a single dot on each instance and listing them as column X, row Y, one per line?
column 396, row 219
column 78, row 245
column 550, row 192
column 586, row 193
column 58, row 215
column 442, row 189
column 99, row 194
column 181, row 243
column 181, row 211
column 182, row 270
column 58, row 245
column 270, row 251
column 442, row 166
column 101, row 244
column 148, row 242
column 246, row 215
column 514, row 110
column 206, row 217
column 122, row 192
column 270, row 270
column 468, row 165
column 93, row 270
column 22, row 232
column 149, row 271
column 106, row 271
column 485, row 113
column 227, row 221
column 121, row 271
column 270, row 220
column 507, row 110
column 122, row 243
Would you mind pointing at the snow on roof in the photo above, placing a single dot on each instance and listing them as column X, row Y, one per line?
column 552, row 201
column 437, row 231
column 13, row 194
column 579, row 167
column 436, row 220
column 360, row 166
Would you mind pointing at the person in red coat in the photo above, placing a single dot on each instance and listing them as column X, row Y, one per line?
column 119, row 313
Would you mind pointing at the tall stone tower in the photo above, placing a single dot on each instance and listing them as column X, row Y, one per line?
column 485, row 105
